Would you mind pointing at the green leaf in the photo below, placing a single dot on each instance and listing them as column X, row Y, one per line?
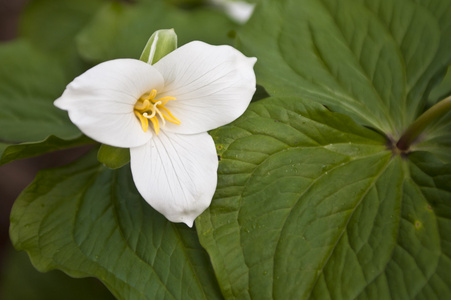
column 35, row 70
column 9, row 153
column 113, row 157
column 88, row 220
column 52, row 25
column 21, row 281
column 373, row 60
column 311, row 205
column 31, row 81
column 120, row 30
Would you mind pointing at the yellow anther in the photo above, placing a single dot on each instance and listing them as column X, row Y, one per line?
column 152, row 94
column 143, row 120
column 164, row 100
column 149, row 108
column 156, row 125
column 171, row 117
column 142, row 105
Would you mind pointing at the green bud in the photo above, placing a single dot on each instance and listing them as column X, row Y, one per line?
column 161, row 43
column 113, row 157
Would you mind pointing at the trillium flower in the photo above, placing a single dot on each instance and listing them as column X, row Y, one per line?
column 162, row 112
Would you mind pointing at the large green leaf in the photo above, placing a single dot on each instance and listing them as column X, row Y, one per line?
column 374, row 60
column 35, row 70
column 121, row 30
column 311, row 205
column 88, row 220
column 30, row 124
column 30, row 82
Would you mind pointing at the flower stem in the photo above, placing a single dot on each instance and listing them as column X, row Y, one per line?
column 417, row 127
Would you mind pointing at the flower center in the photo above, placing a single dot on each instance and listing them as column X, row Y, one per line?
column 148, row 108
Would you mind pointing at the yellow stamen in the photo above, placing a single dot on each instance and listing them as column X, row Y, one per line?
column 171, row 117
column 164, row 100
column 149, row 108
column 156, row 125
column 143, row 120
column 150, row 96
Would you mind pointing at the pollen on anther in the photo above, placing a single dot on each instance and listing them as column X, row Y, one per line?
column 149, row 108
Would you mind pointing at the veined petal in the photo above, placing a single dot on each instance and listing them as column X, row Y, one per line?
column 213, row 85
column 176, row 174
column 101, row 100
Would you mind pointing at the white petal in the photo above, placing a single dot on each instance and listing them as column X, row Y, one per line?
column 213, row 85
column 176, row 174
column 100, row 101
column 239, row 11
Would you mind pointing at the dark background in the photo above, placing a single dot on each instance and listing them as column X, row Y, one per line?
column 14, row 176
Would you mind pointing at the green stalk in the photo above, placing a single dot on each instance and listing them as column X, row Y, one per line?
column 417, row 127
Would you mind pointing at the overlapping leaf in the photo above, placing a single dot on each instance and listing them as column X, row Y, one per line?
column 311, row 205
column 88, row 220
column 35, row 70
column 374, row 60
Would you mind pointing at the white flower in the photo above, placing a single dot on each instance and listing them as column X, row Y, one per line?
column 162, row 112
column 239, row 11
